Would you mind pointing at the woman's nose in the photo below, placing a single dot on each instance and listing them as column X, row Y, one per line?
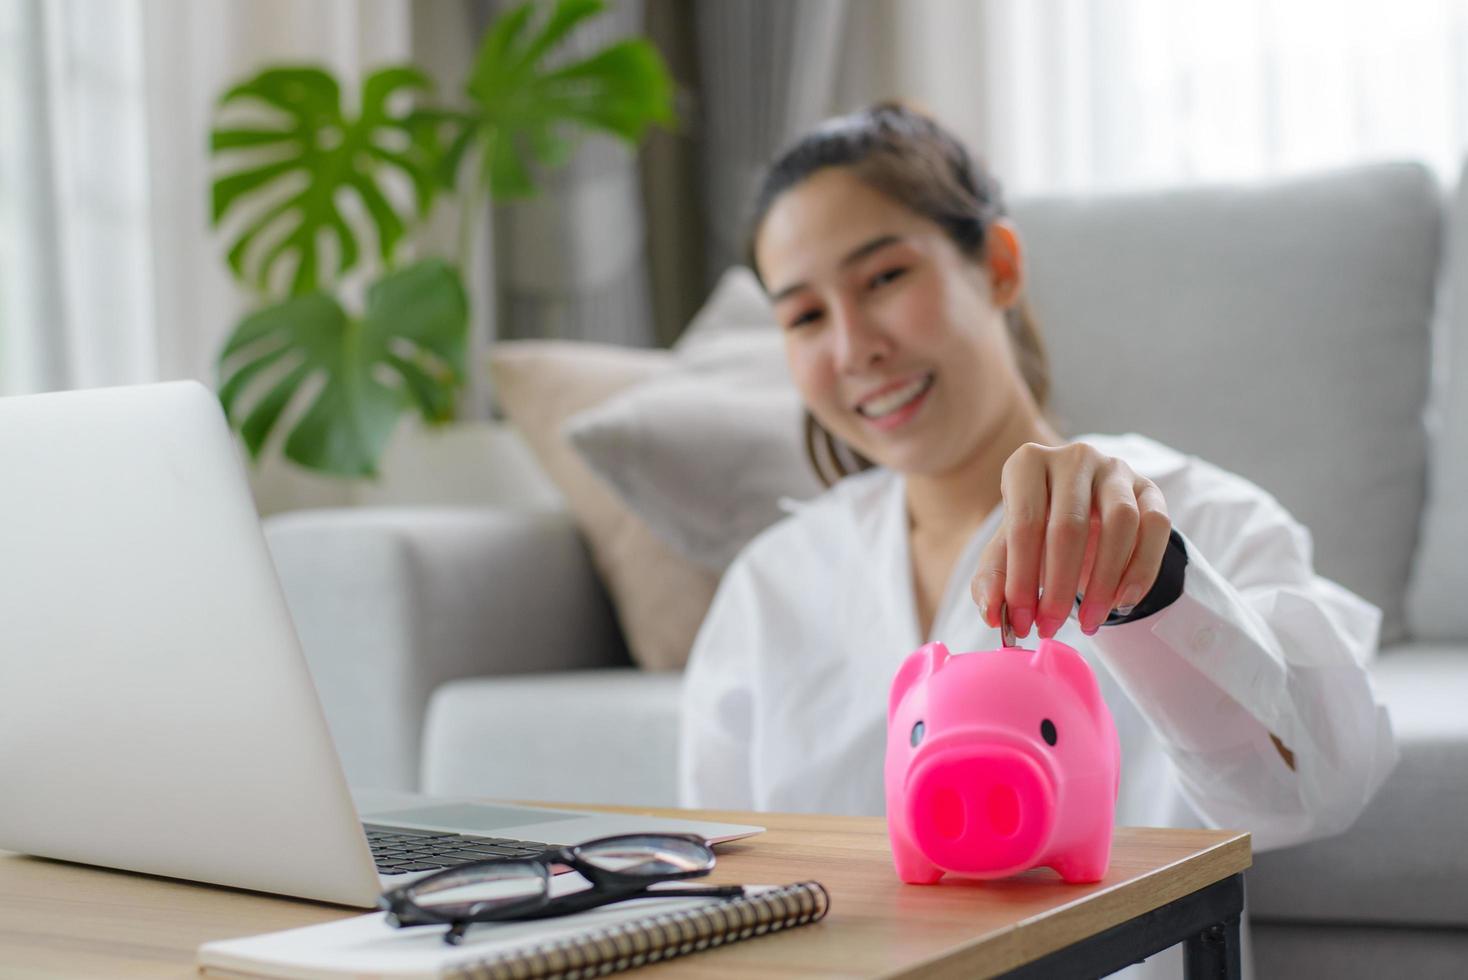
column 860, row 343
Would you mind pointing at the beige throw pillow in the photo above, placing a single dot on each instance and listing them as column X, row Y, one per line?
column 660, row 597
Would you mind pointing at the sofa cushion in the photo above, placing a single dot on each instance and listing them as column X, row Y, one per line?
column 1404, row 862
column 703, row 456
column 1356, row 952
column 1279, row 330
column 591, row 736
column 1435, row 606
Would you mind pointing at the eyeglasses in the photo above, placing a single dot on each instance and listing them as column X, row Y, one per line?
column 619, row 868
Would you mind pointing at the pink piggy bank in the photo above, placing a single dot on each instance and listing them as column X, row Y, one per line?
column 998, row 762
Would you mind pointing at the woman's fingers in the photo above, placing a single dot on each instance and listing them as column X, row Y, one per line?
column 1155, row 528
column 1024, row 484
column 987, row 586
column 1120, row 518
column 1075, row 522
column 1067, row 527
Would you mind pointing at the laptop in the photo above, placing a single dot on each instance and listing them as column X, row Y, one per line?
column 156, row 712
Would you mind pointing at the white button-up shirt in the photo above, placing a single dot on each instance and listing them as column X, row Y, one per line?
column 785, row 694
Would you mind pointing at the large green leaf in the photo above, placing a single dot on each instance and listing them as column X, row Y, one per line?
column 524, row 110
column 300, row 162
column 407, row 350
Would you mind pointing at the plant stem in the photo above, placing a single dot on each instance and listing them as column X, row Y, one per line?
column 467, row 220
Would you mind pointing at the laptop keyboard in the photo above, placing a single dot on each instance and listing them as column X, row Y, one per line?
column 399, row 850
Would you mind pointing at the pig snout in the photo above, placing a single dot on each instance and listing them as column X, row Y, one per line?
column 984, row 808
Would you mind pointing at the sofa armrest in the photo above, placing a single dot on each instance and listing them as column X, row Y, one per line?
column 390, row 603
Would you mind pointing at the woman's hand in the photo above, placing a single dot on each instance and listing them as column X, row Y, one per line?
column 1075, row 521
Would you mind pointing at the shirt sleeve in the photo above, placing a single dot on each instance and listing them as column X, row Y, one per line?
column 717, row 705
column 1257, row 645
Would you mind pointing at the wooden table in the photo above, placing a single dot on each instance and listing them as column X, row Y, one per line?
column 1165, row 886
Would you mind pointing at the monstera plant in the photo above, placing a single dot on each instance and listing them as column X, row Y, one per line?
column 307, row 188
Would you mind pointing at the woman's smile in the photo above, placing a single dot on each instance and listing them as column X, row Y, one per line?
column 895, row 404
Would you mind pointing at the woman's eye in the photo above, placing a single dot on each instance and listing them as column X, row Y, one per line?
column 809, row 316
column 886, row 276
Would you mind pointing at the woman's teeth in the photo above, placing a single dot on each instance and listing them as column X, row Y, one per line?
column 895, row 400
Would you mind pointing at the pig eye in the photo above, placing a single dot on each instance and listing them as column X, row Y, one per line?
column 917, row 734
column 1047, row 731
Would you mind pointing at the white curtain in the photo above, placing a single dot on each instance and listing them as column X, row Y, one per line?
column 1084, row 95
column 109, row 273
column 73, row 197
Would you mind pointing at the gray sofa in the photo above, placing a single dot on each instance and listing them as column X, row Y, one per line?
column 1297, row 332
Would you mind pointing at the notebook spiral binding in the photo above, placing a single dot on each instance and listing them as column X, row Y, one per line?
column 657, row 937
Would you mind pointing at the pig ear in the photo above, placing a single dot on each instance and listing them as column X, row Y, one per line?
column 1061, row 661
column 921, row 663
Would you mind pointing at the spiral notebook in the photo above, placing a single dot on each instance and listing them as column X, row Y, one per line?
column 617, row 937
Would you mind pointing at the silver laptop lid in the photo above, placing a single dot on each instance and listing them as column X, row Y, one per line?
column 156, row 713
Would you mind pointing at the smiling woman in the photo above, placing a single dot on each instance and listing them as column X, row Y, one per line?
column 899, row 286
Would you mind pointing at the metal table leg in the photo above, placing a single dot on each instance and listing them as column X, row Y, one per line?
column 1213, row 954
column 1206, row 922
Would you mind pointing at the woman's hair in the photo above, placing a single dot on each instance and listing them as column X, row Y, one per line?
column 908, row 157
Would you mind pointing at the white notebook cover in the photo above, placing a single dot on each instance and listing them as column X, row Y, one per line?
column 366, row 946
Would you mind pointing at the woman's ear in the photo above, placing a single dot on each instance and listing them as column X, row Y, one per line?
column 1005, row 261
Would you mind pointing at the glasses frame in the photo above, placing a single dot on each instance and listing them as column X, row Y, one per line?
column 606, row 888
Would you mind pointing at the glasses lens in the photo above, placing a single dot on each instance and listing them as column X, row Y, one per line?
column 648, row 854
column 472, row 890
